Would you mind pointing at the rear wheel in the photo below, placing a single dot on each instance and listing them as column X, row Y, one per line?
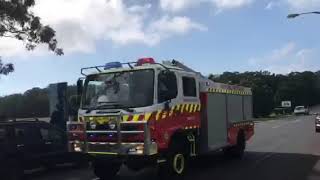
column 105, row 170
column 237, row 151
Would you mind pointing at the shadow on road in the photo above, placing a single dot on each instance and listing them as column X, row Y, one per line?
column 253, row 166
column 257, row 166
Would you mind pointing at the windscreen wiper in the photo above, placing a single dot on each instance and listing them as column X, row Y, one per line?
column 97, row 106
column 107, row 104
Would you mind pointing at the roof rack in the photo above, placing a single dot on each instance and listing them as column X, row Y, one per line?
column 101, row 67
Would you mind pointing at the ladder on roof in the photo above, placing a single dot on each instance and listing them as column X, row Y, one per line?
column 179, row 65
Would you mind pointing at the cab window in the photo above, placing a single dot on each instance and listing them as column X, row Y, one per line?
column 167, row 86
column 189, row 87
column 51, row 134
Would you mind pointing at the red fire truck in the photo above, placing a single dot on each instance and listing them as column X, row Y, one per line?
column 157, row 114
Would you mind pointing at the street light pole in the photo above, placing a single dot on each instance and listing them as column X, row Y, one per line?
column 291, row 16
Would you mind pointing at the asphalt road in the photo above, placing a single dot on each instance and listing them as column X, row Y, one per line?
column 287, row 149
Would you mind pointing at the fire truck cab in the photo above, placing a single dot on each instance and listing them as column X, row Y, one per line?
column 150, row 114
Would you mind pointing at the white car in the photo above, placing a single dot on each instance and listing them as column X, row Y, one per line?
column 301, row 110
column 318, row 123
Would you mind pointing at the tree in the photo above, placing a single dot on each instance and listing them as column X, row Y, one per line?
column 6, row 68
column 17, row 21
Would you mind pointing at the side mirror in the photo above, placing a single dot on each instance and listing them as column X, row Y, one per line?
column 79, row 87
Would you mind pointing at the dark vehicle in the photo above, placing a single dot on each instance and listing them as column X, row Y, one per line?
column 317, row 123
column 26, row 145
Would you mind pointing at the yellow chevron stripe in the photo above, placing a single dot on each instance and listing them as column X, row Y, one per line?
column 182, row 108
column 135, row 117
column 158, row 115
column 187, row 107
column 164, row 115
column 125, row 118
column 191, row 108
column 178, row 107
column 147, row 116
column 171, row 112
column 199, row 107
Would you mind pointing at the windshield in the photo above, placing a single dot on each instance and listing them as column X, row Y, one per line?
column 299, row 108
column 119, row 90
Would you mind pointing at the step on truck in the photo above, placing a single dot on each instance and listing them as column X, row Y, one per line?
column 146, row 113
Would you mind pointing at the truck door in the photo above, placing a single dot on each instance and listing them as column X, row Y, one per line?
column 55, row 142
column 28, row 144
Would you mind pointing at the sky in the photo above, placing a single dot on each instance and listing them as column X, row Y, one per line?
column 211, row 36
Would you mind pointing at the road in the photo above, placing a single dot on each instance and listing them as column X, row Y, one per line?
column 287, row 149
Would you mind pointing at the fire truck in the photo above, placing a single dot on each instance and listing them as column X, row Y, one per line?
column 146, row 113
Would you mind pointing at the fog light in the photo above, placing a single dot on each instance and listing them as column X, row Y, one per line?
column 136, row 150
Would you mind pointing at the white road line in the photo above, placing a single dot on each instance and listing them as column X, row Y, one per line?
column 275, row 127
column 296, row 121
column 267, row 156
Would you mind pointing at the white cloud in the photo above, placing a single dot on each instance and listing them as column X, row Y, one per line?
column 166, row 27
column 272, row 4
column 79, row 24
column 303, row 5
column 230, row 4
column 180, row 5
column 286, row 59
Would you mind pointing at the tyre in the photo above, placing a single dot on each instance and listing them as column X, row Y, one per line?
column 177, row 161
column 14, row 172
column 237, row 151
column 105, row 170
column 135, row 166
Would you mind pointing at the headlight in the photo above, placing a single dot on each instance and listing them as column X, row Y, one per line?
column 77, row 147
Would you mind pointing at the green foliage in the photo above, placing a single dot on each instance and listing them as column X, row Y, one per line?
column 17, row 21
column 33, row 103
column 6, row 68
column 270, row 89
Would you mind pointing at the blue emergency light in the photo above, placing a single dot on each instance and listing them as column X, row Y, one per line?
column 111, row 65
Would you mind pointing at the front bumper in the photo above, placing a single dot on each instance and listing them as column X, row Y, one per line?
column 140, row 160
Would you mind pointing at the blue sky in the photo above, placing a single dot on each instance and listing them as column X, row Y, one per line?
column 212, row 36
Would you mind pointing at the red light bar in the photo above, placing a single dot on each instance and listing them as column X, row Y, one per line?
column 142, row 61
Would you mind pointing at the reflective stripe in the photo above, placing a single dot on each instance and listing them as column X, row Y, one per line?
column 105, row 153
column 147, row 116
column 135, row 117
column 187, row 107
column 125, row 118
column 158, row 115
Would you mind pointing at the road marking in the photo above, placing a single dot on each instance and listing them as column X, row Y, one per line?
column 296, row 121
column 257, row 162
column 275, row 127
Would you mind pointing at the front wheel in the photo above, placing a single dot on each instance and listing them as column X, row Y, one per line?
column 104, row 170
column 177, row 162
